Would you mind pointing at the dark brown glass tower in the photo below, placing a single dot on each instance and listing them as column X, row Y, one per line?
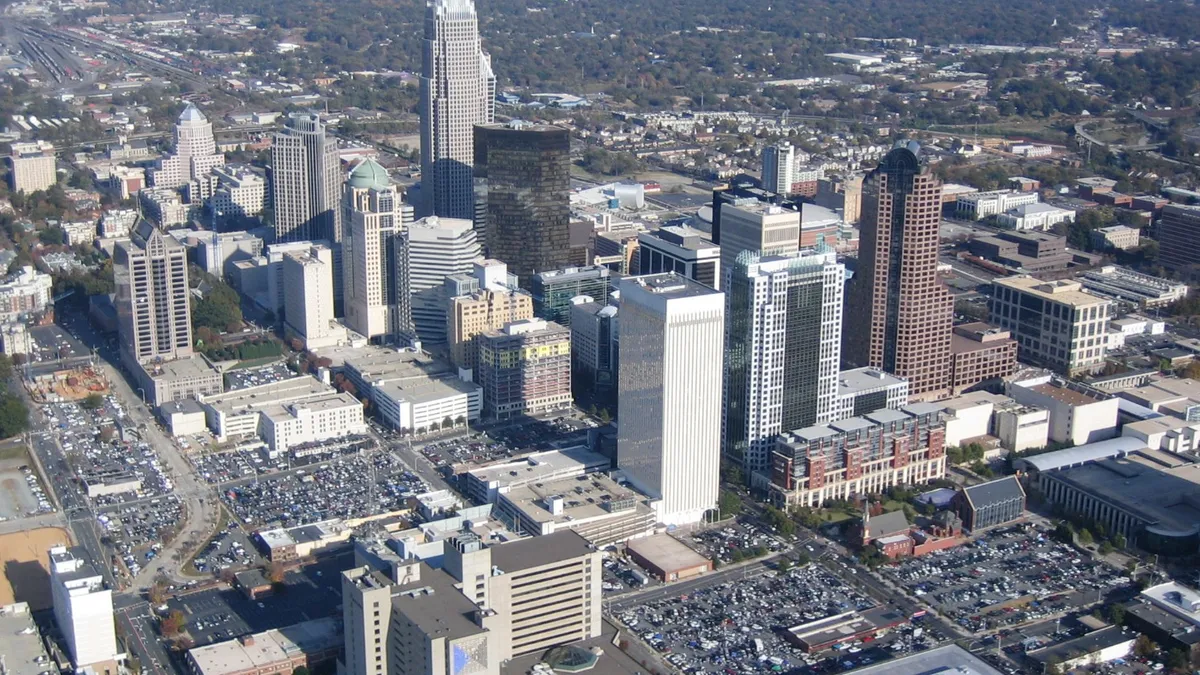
column 899, row 315
column 527, row 171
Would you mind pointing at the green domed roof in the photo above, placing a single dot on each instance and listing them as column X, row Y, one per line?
column 368, row 175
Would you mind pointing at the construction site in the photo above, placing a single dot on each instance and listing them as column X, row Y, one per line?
column 72, row 384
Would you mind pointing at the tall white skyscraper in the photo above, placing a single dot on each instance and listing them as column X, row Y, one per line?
column 669, row 401
column 432, row 249
column 374, row 214
column 83, row 609
column 195, row 152
column 458, row 91
column 782, row 349
column 306, row 180
column 778, row 167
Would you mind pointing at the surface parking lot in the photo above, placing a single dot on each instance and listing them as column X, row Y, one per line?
column 255, row 460
column 51, row 343
column 1008, row 577
column 341, row 488
column 221, row 614
column 229, row 549
column 21, row 492
column 138, row 530
column 735, row 627
column 723, row 542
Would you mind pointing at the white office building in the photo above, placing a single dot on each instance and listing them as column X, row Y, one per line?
column 432, row 249
column 240, row 193
column 777, row 167
column 669, row 383
column 308, row 297
column 195, row 152
column 32, row 167
column 458, row 91
column 374, row 215
column 782, row 350
column 83, row 609
column 979, row 205
column 1034, row 216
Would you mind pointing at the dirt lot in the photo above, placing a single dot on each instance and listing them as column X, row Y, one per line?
column 26, row 577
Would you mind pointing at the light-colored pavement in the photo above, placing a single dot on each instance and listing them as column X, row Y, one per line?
column 201, row 509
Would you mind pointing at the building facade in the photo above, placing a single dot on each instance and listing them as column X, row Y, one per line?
column 782, row 350
column 308, row 296
column 526, row 168
column 306, row 176
column 1056, row 324
column 1179, row 239
column 859, row 456
column 595, row 353
column 154, row 319
column 552, row 291
column 83, row 609
column 525, row 369
column 432, row 249
column 32, row 167
column 458, row 91
column 758, row 227
column 777, row 167
column 374, row 216
column 980, row 353
column 487, row 306
column 899, row 312
column 669, row 393
column 682, row 250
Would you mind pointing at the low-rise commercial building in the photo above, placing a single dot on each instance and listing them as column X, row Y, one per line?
column 1031, row 252
column 287, row 413
column 24, row 651
column 1056, row 324
column 485, row 484
column 859, row 455
column 24, row 292
column 1178, row 397
column 667, row 558
column 188, row 377
column 1169, row 614
column 1034, row 216
column 1116, row 237
column 1122, row 283
column 1095, row 648
column 599, row 509
column 979, row 205
column 1165, row 433
column 280, row 650
column 1020, row 427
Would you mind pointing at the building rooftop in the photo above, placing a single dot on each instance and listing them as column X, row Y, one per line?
column 1113, row 447
column 583, row 498
column 1174, row 597
column 23, row 650
column 262, row 651
column 377, row 365
column 994, row 492
column 609, row 659
column 436, row 606
column 666, row 552
column 1086, row 644
column 1159, row 487
column 886, row 524
column 415, row 390
column 538, row 551
column 859, row 380
column 1064, row 292
column 541, row 466
column 239, row 401
column 1033, row 209
column 1072, row 396
column 671, row 285
column 948, row 660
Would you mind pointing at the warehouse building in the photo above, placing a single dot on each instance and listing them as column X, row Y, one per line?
column 668, row 558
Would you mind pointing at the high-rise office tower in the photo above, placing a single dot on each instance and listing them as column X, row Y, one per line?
column 552, row 291
column 32, row 167
column 432, row 249
column 527, row 169
column 308, row 296
column 525, row 369
column 458, row 91
column 899, row 313
column 195, row 152
column 1179, row 240
column 595, row 352
column 83, row 609
column 680, row 249
column 374, row 214
column 153, row 301
column 758, row 227
column 782, row 349
column 488, row 301
column 306, row 177
column 669, row 393
column 778, row 167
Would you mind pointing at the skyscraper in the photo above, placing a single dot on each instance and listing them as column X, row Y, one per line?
column 669, row 393
column 306, row 178
column 458, row 91
column 527, row 170
column 195, row 151
column 899, row 313
column 778, row 167
column 782, row 349
column 83, row 609
column 758, row 227
column 374, row 214
column 308, row 297
column 432, row 249
column 153, row 301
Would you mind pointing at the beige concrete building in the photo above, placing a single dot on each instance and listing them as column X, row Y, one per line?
column 489, row 307
column 765, row 229
column 152, row 297
column 308, row 296
column 486, row 605
column 525, row 368
column 1056, row 324
column 374, row 215
column 32, row 166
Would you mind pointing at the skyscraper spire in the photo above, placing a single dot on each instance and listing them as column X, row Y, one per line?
column 458, row 91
